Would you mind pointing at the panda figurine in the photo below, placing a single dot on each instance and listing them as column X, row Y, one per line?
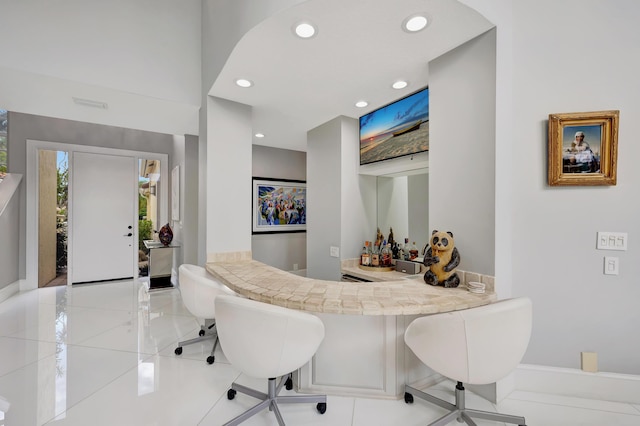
column 442, row 259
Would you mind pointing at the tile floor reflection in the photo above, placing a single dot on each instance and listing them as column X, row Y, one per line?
column 103, row 355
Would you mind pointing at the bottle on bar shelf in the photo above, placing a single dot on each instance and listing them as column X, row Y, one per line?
column 375, row 256
column 413, row 251
column 405, row 249
column 386, row 255
column 365, row 257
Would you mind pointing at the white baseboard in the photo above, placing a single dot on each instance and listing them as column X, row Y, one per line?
column 9, row 291
column 428, row 381
column 577, row 383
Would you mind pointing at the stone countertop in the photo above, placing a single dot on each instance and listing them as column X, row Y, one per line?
column 406, row 296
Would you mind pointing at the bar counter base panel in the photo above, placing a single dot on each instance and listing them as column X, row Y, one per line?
column 376, row 363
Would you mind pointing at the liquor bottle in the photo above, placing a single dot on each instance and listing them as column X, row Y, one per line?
column 413, row 251
column 383, row 247
column 375, row 256
column 386, row 255
column 395, row 251
column 405, row 249
column 365, row 257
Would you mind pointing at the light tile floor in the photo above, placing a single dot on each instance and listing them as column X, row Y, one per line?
column 103, row 355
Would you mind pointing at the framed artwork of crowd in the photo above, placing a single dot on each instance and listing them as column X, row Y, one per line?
column 279, row 206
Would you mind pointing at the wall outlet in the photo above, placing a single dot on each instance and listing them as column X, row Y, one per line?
column 611, row 265
column 334, row 251
column 295, row 266
column 589, row 362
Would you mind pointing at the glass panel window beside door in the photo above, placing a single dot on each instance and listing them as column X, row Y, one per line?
column 148, row 195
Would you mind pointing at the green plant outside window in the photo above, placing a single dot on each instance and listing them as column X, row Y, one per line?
column 145, row 232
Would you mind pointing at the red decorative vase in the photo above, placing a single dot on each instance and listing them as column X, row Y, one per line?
column 165, row 235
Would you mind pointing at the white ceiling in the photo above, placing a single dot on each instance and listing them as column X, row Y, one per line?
column 359, row 51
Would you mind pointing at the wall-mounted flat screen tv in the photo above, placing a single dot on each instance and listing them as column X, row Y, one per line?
column 395, row 130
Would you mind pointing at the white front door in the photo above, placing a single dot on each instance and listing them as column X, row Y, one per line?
column 103, row 192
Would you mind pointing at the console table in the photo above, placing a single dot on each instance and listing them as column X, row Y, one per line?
column 160, row 264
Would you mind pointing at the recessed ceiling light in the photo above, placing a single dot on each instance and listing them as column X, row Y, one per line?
column 305, row 30
column 400, row 84
column 362, row 104
column 259, row 135
column 415, row 23
column 242, row 82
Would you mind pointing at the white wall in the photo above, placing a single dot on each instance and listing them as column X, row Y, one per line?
column 185, row 229
column 323, row 199
column 341, row 204
column 553, row 230
column 135, row 55
column 462, row 150
column 358, row 194
column 286, row 251
column 202, row 182
column 148, row 47
column 392, row 207
column 418, row 207
column 500, row 11
column 403, row 204
column 555, row 260
column 228, row 189
column 189, row 176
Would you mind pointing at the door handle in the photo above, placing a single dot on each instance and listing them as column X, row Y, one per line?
column 128, row 235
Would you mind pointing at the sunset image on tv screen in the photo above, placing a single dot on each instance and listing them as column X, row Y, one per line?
column 395, row 130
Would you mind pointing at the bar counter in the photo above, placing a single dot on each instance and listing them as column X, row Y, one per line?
column 363, row 352
column 404, row 296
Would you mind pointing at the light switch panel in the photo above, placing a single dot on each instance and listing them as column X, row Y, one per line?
column 612, row 241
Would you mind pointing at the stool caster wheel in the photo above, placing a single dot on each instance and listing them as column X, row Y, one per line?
column 321, row 407
column 231, row 393
column 408, row 398
column 201, row 333
column 288, row 384
column 178, row 350
column 210, row 359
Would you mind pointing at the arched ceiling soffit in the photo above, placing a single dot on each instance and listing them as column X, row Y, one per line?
column 359, row 51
